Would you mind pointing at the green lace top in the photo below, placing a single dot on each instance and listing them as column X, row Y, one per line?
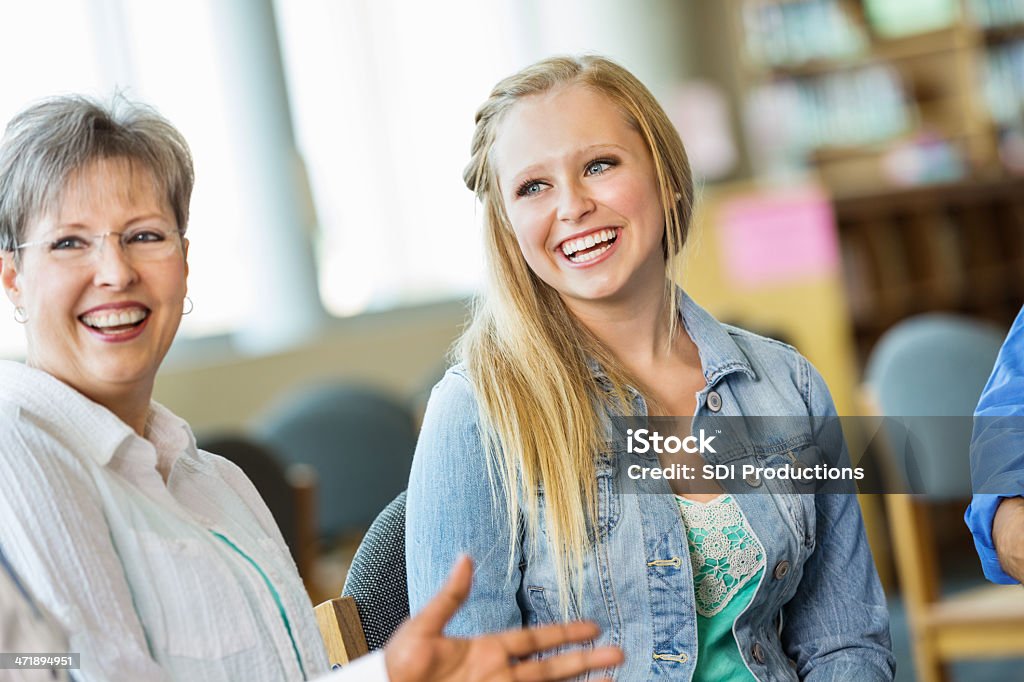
column 728, row 562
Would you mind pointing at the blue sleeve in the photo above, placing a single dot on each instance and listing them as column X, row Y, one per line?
column 997, row 448
column 450, row 510
column 836, row 627
column 979, row 516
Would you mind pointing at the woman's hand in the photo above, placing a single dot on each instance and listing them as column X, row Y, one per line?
column 419, row 651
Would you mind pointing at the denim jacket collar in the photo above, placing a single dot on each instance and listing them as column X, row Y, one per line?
column 719, row 354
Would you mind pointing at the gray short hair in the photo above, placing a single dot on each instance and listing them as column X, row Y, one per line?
column 51, row 140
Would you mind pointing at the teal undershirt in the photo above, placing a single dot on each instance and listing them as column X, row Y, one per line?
column 718, row 654
column 274, row 593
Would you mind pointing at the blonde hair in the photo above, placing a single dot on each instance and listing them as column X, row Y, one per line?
column 540, row 408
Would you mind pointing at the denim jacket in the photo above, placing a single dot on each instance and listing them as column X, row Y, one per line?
column 818, row 613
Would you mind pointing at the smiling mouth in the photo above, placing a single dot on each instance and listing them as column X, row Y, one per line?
column 589, row 247
column 115, row 322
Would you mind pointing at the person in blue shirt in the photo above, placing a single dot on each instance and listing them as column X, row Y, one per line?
column 996, row 513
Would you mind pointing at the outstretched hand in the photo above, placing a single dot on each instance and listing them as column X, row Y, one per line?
column 420, row 652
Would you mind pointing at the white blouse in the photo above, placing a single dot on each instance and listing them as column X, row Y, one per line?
column 187, row 579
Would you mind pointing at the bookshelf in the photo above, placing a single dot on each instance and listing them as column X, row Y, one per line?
column 902, row 110
column 957, row 247
column 873, row 93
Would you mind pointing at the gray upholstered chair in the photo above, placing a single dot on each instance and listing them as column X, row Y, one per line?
column 359, row 440
column 375, row 599
column 929, row 371
column 927, row 374
column 377, row 579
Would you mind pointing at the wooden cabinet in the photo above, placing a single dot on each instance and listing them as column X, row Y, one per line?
column 956, row 247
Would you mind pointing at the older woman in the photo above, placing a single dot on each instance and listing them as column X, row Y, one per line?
column 160, row 561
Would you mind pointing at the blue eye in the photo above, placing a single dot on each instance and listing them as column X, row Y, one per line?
column 598, row 167
column 529, row 188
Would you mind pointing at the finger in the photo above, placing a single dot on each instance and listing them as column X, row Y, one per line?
column 569, row 665
column 439, row 610
column 520, row 643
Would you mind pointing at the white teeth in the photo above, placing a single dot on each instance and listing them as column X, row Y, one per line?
column 583, row 258
column 115, row 318
column 572, row 246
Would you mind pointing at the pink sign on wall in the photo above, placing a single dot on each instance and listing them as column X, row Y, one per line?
column 778, row 237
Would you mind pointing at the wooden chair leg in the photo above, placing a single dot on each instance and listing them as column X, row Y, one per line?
column 928, row 666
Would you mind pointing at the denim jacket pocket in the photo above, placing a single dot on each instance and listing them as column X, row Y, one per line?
column 545, row 606
column 545, row 610
column 609, row 506
column 795, row 497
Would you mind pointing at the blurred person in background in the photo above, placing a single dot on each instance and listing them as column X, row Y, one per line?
column 996, row 513
column 587, row 197
column 159, row 561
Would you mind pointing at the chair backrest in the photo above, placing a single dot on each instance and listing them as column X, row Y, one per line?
column 341, row 630
column 928, row 371
column 288, row 490
column 377, row 578
column 360, row 440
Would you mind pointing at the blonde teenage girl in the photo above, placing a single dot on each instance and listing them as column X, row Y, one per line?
column 587, row 198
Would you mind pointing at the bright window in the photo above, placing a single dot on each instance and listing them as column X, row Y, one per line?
column 62, row 58
column 383, row 95
column 160, row 53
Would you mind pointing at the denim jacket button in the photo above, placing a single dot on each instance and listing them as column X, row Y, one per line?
column 752, row 480
column 758, row 652
column 781, row 569
column 714, row 401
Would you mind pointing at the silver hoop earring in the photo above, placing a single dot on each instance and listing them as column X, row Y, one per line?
column 20, row 316
column 191, row 306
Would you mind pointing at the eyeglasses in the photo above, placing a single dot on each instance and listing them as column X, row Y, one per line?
column 138, row 245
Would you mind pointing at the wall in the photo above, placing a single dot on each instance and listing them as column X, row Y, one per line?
column 401, row 351
column 811, row 311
